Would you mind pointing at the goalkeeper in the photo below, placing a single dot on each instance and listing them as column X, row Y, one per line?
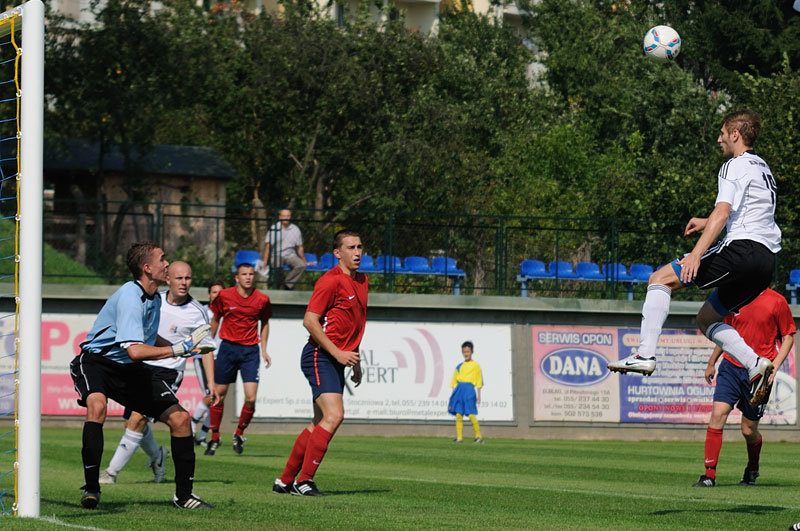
column 110, row 366
column 180, row 315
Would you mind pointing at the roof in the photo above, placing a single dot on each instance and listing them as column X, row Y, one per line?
column 194, row 161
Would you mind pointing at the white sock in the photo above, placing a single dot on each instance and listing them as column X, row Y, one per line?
column 654, row 312
column 729, row 340
column 127, row 446
column 149, row 444
column 200, row 413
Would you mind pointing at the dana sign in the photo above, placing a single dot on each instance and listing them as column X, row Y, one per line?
column 574, row 366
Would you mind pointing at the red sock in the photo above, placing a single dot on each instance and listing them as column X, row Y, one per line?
column 315, row 451
column 244, row 419
column 753, row 453
column 713, row 445
column 295, row 461
column 215, row 419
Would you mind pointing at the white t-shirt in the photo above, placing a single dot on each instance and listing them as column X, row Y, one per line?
column 746, row 183
column 177, row 322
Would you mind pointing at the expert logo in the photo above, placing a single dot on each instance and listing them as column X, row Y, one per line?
column 575, row 366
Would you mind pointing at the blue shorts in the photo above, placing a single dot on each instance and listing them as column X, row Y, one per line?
column 463, row 400
column 233, row 358
column 324, row 373
column 733, row 388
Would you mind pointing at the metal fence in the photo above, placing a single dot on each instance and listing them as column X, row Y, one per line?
column 489, row 249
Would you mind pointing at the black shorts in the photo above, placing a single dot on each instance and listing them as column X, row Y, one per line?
column 131, row 384
column 740, row 271
column 163, row 379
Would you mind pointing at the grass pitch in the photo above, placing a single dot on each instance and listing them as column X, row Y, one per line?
column 427, row 483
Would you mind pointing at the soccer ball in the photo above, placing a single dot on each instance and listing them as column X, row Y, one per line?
column 662, row 43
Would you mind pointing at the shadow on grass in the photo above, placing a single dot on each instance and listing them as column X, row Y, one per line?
column 105, row 507
column 741, row 509
column 360, row 491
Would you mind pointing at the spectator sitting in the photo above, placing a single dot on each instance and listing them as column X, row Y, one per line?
column 284, row 244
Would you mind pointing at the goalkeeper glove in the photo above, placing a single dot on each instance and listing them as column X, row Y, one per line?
column 184, row 348
column 202, row 349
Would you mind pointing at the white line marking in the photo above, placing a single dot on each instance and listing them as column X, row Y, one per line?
column 54, row 520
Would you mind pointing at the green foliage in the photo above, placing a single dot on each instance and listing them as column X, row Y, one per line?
column 57, row 267
column 349, row 122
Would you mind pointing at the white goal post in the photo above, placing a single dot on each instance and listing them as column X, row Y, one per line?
column 31, row 108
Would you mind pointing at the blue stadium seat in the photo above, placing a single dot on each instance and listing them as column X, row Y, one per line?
column 245, row 257
column 389, row 264
column 439, row 263
column 533, row 268
column 327, row 261
column 417, row 264
column 617, row 272
column 641, row 272
column 367, row 264
column 561, row 269
column 589, row 271
column 315, row 263
column 793, row 285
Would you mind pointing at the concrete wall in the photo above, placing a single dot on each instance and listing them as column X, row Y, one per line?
column 515, row 311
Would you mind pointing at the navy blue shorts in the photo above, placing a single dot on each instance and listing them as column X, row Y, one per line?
column 733, row 388
column 233, row 358
column 324, row 373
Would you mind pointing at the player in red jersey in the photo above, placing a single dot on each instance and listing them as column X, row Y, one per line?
column 767, row 325
column 240, row 308
column 335, row 319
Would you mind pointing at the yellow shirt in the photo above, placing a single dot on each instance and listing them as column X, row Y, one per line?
column 468, row 371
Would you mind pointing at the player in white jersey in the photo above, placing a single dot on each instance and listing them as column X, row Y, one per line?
column 200, row 413
column 179, row 313
column 740, row 267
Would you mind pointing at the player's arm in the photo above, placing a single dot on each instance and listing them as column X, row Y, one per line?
column 787, row 342
column 264, row 337
column 712, row 361
column 477, row 395
column 141, row 351
column 266, row 252
column 312, row 323
column 214, row 325
column 301, row 253
column 207, row 360
column 182, row 348
column 711, row 227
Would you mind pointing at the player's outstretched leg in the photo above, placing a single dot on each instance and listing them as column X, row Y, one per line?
column 759, row 378
column 634, row 363
column 654, row 312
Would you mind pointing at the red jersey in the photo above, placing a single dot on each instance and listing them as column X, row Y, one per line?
column 341, row 301
column 241, row 315
column 762, row 323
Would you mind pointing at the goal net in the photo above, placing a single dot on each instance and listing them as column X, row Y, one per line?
column 21, row 107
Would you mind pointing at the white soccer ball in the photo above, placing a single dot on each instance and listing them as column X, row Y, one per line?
column 662, row 43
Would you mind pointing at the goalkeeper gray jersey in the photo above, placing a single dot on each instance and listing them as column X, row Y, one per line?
column 746, row 183
column 177, row 323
